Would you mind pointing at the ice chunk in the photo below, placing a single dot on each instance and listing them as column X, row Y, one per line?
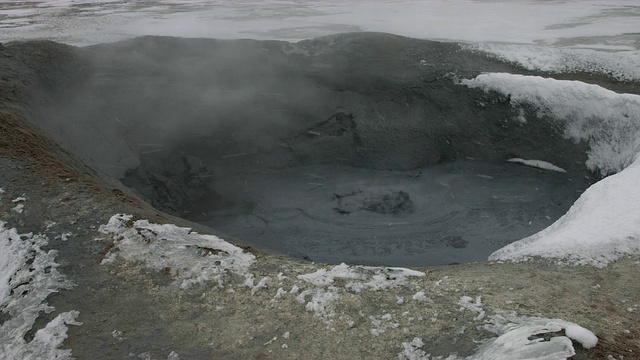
column 537, row 164
column 518, row 338
column 515, row 345
column 585, row 337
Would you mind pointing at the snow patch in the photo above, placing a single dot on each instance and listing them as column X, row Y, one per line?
column 118, row 335
column 622, row 65
column 262, row 284
column 467, row 303
column 421, row 297
column 279, row 293
column 324, row 277
column 322, row 302
column 28, row 274
column 358, row 278
column 413, row 351
column 191, row 258
column 540, row 164
column 64, row 236
column 382, row 323
column 362, row 277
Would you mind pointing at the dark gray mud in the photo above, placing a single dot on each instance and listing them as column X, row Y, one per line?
column 456, row 212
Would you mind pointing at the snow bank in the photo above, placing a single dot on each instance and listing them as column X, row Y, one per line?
column 540, row 164
column 600, row 227
column 608, row 121
column 28, row 275
column 189, row 257
column 622, row 66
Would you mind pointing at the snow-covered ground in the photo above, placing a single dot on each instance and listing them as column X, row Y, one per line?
column 603, row 24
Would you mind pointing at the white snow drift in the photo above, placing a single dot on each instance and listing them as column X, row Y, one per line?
column 623, row 66
column 189, row 257
column 28, row 274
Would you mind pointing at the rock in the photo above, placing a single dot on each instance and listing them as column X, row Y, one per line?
column 175, row 183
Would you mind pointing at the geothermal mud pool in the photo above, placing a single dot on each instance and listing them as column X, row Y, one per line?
column 359, row 148
column 456, row 212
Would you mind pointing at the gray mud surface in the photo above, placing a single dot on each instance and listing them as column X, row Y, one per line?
column 73, row 121
column 456, row 212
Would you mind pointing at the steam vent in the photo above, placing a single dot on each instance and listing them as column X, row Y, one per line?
column 360, row 195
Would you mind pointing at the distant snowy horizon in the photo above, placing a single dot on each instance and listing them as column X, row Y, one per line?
column 609, row 25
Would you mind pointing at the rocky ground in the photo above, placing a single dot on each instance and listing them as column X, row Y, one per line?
column 131, row 307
